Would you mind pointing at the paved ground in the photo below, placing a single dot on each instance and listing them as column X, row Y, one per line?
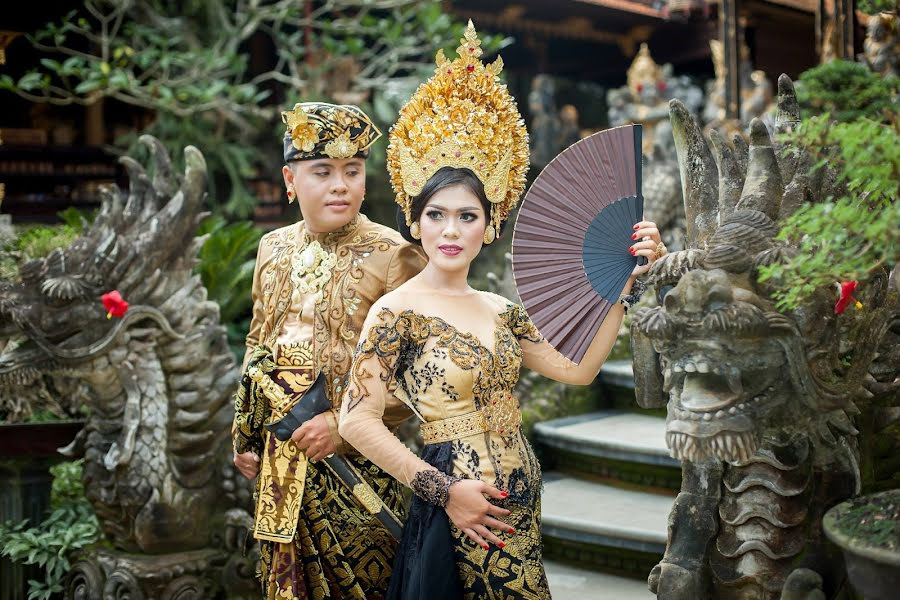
column 569, row 583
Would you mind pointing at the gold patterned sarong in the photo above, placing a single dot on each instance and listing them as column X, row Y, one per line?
column 283, row 467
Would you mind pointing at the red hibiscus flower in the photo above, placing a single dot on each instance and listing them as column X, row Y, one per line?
column 114, row 304
column 846, row 289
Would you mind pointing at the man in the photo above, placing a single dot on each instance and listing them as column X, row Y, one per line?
column 312, row 288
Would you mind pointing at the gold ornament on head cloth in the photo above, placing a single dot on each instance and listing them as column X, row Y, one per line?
column 462, row 117
column 304, row 133
column 341, row 147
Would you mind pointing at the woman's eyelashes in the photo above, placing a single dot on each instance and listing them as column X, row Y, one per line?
column 437, row 215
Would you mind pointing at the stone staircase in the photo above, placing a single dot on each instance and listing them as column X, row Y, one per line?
column 609, row 484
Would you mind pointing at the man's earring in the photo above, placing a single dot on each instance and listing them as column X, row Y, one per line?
column 291, row 194
column 414, row 231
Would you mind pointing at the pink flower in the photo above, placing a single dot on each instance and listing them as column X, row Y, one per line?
column 114, row 304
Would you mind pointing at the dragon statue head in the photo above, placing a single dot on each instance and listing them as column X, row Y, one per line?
column 157, row 382
column 733, row 368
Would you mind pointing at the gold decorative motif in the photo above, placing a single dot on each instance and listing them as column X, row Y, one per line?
column 502, row 413
column 341, row 147
column 660, row 251
column 279, row 399
column 462, row 117
column 310, row 270
column 454, row 428
column 305, row 135
column 367, row 497
column 489, row 234
column 299, row 354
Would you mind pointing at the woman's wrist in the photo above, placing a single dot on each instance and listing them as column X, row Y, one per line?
column 433, row 487
column 629, row 284
column 631, row 293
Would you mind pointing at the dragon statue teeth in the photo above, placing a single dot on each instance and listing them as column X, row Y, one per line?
column 157, row 382
column 761, row 403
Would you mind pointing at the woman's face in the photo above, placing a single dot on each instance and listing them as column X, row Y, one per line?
column 452, row 228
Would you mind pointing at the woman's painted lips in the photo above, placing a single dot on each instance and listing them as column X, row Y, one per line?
column 450, row 250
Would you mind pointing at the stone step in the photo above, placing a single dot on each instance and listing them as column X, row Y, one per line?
column 612, row 444
column 603, row 527
column 574, row 583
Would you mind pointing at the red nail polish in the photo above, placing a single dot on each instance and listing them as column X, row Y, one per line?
column 501, row 544
column 486, row 547
column 636, row 227
column 634, row 237
column 504, row 494
column 631, row 250
column 511, row 530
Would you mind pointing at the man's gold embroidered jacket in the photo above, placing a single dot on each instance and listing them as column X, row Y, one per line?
column 308, row 332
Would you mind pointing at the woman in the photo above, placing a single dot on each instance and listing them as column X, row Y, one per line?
column 451, row 354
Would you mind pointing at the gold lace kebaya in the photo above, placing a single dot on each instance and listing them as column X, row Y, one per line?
column 462, row 117
column 419, row 350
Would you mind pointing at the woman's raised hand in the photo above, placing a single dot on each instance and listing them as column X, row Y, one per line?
column 469, row 510
column 648, row 244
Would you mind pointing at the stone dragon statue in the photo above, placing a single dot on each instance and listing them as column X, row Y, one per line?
column 157, row 383
column 765, row 407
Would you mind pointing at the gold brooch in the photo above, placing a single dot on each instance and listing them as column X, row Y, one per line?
column 311, row 270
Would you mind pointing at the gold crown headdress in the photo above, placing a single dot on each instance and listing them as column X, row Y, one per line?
column 643, row 70
column 462, row 117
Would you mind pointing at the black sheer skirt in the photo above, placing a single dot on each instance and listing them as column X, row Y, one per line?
column 425, row 565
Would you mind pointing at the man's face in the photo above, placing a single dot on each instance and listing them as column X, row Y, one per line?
column 329, row 191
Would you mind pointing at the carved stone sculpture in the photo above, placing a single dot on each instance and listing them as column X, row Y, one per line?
column 157, row 383
column 645, row 100
column 544, row 126
column 756, row 94
column 882, row 44
column 760, row 402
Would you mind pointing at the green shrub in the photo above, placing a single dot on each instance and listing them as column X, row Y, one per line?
column 847, row 90
column 848, row 237
column 226, row 268
column 71, row 525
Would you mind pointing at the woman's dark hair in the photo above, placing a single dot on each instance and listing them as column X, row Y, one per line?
column 444, row 178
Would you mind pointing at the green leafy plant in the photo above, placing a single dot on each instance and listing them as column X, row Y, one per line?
column 226, row 266
column 847, row 90
column 871, row 7
column 847, row 237
column 71, row 525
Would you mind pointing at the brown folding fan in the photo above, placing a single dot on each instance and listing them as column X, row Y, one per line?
column 570, row 243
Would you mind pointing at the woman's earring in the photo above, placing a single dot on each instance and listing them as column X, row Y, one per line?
column 291, row 194
column 414, row 231
column 489, row 234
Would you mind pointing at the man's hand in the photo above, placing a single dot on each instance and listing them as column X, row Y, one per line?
column 248, row 464
column 314, row 438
